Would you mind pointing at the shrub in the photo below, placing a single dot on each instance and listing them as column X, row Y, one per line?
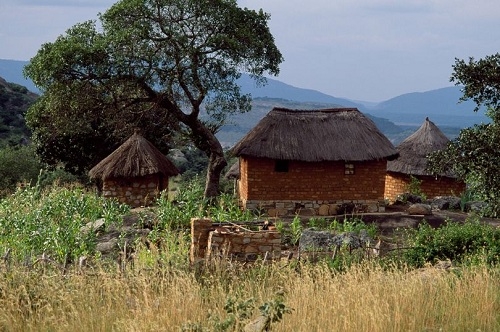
column 35, row 222
column 455, row 241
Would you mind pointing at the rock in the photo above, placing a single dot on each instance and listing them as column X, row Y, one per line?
column 324, row 210
column 420, row 209
column 402, row 199
column 312, row 240
column 446, row 203
column 93, row 226
column 475, row 206
column 260, row 324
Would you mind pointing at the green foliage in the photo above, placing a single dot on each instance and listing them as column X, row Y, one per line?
column 473, row 156
column 414, row 187
column 162, row 64
column 455, row 241
column 239, row 313
column 353, row 225
column 189, row 202
column 35, row 222
column 14, row 102
column 18, row 165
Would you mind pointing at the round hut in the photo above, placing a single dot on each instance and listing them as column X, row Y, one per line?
column 135, row 173
column 312, row 161
column 412, row 162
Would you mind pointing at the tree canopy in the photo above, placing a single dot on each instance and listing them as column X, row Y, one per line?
column 170, row 65
column 473, row 155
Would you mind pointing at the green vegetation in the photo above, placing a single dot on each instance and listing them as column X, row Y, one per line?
column 14, row 101
column 159, row 59
column 473, row 155
column 44, row 288
column 468, row 243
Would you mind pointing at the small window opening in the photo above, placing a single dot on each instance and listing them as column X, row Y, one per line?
column 281, row 166
column 349, row 169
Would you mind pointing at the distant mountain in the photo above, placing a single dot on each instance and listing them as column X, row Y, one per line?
column 441, row 106
column 12, row 71
column 240, row 124
column 407, row 110
column 279, row 90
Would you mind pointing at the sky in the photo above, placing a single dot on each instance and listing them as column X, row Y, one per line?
column 369, row 50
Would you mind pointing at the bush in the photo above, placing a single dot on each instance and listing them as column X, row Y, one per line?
column 35, row 222
column 458, row 242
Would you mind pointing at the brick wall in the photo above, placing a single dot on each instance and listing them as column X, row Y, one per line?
column 311, row 181
column 310, row 189
column 138, row 191
column 397, row 183
column 209, row 241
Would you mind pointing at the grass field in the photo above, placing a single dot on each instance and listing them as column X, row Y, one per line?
column 43, row 288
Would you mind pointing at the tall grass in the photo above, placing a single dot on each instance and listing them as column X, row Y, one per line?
column 365, row 298
column 158, row 290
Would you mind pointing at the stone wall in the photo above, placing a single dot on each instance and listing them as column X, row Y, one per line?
column 313, row 208
column 138, row 191
column 209, row 241
column 312, row 188
column 397, row 183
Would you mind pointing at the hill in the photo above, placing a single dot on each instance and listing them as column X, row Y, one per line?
column 397, row 117
column 240, row 124
column 12, row 71
column 441, row 105
column 14, row 102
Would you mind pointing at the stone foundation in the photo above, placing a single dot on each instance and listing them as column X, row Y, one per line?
column 209, row 241
column 313, row 208
column 139, row 191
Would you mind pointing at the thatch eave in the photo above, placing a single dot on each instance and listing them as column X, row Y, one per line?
column 135, row 158
column 338, row 134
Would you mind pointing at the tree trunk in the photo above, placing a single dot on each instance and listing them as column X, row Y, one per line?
column 216, row 164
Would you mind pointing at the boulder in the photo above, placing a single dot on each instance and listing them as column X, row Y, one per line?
column 313, row 240
column 446, row 203
column 475, row 206
column 420, row 209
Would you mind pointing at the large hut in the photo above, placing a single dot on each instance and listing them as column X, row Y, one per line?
column 135, row 173
column 313, row 162
column 412, row 162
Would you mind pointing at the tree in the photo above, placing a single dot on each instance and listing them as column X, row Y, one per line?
column 178, row 57
column 473, row 155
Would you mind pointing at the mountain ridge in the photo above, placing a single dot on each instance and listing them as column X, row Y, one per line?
column 396, row 116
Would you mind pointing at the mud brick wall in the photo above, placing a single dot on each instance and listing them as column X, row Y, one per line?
column 310, row 185
column 397, row 183
column 311, row 181
column 209, row 242
column 138, row 191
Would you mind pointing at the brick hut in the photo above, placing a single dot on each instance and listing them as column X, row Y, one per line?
column 135, row 173
column 313, row 162
column 412, row 161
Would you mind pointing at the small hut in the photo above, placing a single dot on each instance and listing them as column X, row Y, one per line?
column 312, row 162
column 135, row 173
column 412, row 162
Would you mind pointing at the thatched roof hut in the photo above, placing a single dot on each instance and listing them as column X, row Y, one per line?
column 233, row 171
column 135, row 158
column 414, row 149
column 336, row 134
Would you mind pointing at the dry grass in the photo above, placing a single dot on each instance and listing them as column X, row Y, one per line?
column 146, row 298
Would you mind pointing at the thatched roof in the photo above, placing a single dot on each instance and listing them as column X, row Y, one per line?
column 234, row 171
column 316, row 135
column 136, row 157
column 414, row 149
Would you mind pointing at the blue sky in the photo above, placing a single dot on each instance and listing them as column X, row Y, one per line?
column 369, row 50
